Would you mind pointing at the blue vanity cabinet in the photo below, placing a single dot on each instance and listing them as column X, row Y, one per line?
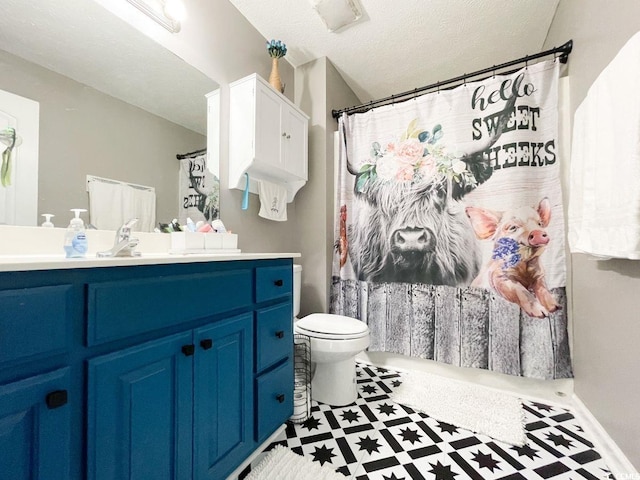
column 175, row 371
column 35, row 427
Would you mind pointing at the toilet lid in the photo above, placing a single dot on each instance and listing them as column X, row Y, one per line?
column 325, row 325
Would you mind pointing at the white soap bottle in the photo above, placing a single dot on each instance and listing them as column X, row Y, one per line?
column 75, row 238
column 47, row 220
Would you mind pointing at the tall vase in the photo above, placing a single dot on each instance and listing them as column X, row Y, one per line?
column 274, row 78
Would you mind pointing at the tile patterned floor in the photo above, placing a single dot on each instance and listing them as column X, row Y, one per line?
column 377, row 439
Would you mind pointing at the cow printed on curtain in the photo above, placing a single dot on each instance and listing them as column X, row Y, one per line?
column 450, row 228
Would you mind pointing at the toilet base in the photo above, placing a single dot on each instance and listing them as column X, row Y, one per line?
column 335, row 383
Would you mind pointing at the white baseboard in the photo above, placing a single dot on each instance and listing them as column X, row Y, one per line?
column 615, row 459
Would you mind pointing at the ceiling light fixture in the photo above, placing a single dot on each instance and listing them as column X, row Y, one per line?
column 167, row 13
column 337, row 14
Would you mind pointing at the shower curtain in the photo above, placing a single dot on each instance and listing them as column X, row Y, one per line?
column 449, row 238
column 198, row 190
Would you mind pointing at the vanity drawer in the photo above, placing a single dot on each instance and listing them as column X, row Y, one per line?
column 34, row 322
column 274, row 392
column 274, row 335
column 273, row 282
column 127, row 307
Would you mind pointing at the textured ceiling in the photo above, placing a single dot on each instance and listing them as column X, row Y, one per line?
column 83, row 41
column 404, row 44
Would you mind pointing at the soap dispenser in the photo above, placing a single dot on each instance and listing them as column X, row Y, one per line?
column 47, row 220
column 75, row 238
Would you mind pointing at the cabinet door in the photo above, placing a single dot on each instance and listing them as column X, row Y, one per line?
column 295, row 142
column 34, row 428
column 223, row 396
column 139, row 412
column 274, row 399
column 269, row 133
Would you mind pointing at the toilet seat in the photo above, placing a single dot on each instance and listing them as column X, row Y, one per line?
column 331, row 327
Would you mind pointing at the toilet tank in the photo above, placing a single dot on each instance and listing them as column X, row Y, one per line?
column 297, row 282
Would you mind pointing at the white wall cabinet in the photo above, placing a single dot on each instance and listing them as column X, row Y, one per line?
column 268, row 137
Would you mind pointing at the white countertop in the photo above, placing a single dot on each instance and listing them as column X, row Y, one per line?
column 37, row 248
column 15, row 263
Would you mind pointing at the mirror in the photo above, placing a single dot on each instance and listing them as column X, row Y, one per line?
column 112, row 103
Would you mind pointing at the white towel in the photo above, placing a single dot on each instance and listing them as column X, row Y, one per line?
column 141, row 204
column 113, row 204
column 105, row 205
column 604, row 195
column 273, row 201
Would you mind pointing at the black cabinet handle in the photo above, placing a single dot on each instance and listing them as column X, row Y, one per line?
column 188, row 350
column 280, row 334
column 206, row 344
column 56, row 399
column 278, row 283
column 280, row 398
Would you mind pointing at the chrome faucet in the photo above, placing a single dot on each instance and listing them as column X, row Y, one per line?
column 123, row 245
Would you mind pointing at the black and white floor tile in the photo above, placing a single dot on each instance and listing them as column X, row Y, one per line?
column 377, row 439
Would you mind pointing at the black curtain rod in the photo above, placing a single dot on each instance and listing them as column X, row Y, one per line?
column 563, row 50
column 191, row 154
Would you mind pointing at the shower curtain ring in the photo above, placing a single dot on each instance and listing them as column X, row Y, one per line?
column 438, row 87
column 393, row 99
column 526, row 62
column 464, row 80
column 415, row 93
column 494, row 71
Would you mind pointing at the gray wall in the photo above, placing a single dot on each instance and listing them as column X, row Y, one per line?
column 241, row 51
column 83, row 131
column 319, row 89
column 605, row 298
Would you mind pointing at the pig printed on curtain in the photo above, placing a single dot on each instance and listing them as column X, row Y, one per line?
column 450, row 230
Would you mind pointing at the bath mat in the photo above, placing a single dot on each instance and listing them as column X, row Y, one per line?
column 481, row 410
column 283, row 464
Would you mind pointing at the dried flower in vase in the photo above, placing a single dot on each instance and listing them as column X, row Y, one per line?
column 276, row 49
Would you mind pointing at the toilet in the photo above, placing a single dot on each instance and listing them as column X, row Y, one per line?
column 335, row 341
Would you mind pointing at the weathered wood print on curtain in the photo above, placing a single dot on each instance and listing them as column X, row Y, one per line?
column 450, row 229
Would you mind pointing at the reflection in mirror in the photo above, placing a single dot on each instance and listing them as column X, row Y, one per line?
column 112, row 103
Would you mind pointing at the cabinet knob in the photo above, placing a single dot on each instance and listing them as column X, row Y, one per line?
column 280, row 398
column 280, row 334
column 188, row 350
column 284, row 134
column 278, row 283
column 288, row 137
column 206, row 343
column 56, row 399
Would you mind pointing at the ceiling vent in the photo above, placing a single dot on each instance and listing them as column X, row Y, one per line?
column 337, row 14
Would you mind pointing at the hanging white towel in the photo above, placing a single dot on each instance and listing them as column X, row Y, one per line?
column 112, row 204
column 604, row 198
column 273, row 201
column 105, row 205
column 141, row 204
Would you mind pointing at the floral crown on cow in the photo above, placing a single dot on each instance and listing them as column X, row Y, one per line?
column 416, row 157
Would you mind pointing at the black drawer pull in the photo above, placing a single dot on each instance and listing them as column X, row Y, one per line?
column 188, row 350
column 278, row 283
column 56, row 399
column 280, row 398
column 280, row 334
column 206, row 344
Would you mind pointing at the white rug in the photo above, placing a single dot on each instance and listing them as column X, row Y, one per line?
column 472, row 407
column 283, row 464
